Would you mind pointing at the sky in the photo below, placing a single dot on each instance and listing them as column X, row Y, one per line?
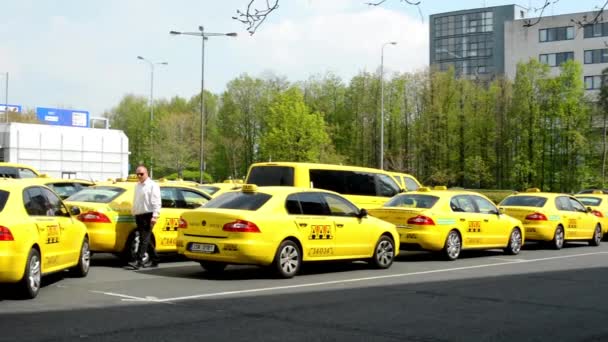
column 82, row 55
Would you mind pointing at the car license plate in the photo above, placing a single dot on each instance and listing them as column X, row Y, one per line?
column 202, row 248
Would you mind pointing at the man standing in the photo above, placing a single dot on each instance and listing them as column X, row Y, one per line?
column 146, row 209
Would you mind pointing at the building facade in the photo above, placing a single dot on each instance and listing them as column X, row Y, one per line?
column 472, row 41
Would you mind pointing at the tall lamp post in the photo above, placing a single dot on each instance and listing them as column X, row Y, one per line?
column 6, row 99
column 151, row 64
column 204, row 36
column 382, row 103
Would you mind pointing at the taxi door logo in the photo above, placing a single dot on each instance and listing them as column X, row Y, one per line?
column 572, row 223
column 171, row 224
column 52, row 234
column 321, row 232
column 474, row 227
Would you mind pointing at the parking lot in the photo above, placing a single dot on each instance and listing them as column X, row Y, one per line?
column 539, row 295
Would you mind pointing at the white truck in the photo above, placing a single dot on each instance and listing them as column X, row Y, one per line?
column 66, row 152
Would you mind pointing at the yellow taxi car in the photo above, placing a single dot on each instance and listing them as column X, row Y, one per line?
column 15, row 170
column 553, row 217
column 282, row 227
column 598, row 202
column 216, row 189
column 450, row 221
column 64, row 187
column 38, row 236
column 106, row 211
column 406, row 181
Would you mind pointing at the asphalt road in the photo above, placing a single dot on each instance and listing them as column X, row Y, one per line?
column 539, row 295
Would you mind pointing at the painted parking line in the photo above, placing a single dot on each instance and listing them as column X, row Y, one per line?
column 343, row 281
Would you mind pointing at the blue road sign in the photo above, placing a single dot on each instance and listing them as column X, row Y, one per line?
column 11, row 107
column 63, row 117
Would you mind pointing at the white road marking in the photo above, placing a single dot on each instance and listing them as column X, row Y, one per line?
column 505, row 259
column 343, row 281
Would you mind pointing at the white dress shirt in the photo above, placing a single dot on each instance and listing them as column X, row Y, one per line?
column 146, row 198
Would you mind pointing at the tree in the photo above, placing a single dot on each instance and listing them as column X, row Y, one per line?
column 603, row 108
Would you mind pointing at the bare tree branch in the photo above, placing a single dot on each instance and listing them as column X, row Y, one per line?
column 597, row 18
column 254, row 17
column 529, row 23
column 416, row 3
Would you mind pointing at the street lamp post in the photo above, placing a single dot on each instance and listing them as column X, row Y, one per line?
column 382, row 103
column 204, row 36
column 6, row 99
column 151, row 64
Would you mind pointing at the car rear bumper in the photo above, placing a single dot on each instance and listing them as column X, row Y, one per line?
column 12, row 266
column 539, row 232
column 423, row 238
column 231, row 251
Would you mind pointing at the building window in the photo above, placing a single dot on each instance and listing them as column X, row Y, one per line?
column 468, row 23
column 596, row 56
column 556, row 59
column 556, row 33
column 593, row 82
column 596, row 30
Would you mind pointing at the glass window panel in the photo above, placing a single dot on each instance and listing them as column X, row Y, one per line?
column 543, row 59
column 588, row 82
column 588, row 31
column 588, row 56
column 551, row 35
column 597, row 30
column 570, row 32
column 543, row 35
column 551, row 59
column 604, row 55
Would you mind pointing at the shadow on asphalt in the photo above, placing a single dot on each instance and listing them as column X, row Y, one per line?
column 537, row 306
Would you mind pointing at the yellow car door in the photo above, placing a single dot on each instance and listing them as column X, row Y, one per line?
column 353, row 237
column 568, row 216
column 70, row 241
column 467, row 220
column 312, row 221
column 586, row 221
column 494, row 231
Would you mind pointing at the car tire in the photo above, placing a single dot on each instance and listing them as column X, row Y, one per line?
column 452, row 246
column 31, row 282
column 384, row 253
column 558, row 238
column 515, row 242
column 597, row 236
column 130, row 252
column 213, row 267
column 84, row 261
column 287, row 260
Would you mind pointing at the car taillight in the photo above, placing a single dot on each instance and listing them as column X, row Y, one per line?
column 94, row 216
column 5, row 234
column 536, row 217
column 421, row 220
column 597, row 213
column 241, row 226
column 182, row 223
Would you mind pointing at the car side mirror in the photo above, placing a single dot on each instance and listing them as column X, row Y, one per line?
column 501, row 211
column 362, row 213
column 589, row 209
column 75, row 210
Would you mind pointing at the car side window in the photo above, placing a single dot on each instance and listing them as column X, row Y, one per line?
column 410, row 184
column 54, row 205
column 35, row 202
column 462, row 203
column 169, row 198
column 387, row 187
column 339, row 206
column 292, row 204
column 485, row 206
column 577, row 205
column 26, row 173
column 193, row 199
column 313, row 204
column 563, row 203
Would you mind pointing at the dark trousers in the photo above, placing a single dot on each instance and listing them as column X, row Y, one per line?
column 144, row 227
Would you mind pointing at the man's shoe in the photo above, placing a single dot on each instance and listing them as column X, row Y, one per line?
column 134, row 265
column 151, row 264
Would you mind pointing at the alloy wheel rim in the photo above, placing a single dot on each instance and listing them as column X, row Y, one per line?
column 385, row 253
column 34, row 275
column 559, row 237
column 516, row 241
column 86, row 256
column 453, row 245
column 289, row 259
column 598, row 234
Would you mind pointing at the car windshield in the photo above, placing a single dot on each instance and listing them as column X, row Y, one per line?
column 209, row 189
column 97, row 194
column 412, row 201
column 271, row 175
column 592, row 201
column 239, row 200
column 524, row 201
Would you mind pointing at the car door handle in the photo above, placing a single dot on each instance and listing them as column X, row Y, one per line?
column 462, row 220
column 486, row 220
column 339, row 225
column 303, row 224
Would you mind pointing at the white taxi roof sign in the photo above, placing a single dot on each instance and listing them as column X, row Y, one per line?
column 249, row 188
column 440, row 187
column 533, row 190
column 424, row 189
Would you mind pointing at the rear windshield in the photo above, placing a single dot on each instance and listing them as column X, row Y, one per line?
column 97, row 194
column 239, row 200
column 3, row 199
column 524, row 201
column 592, row 201
column 412, row 201
column 271, row 176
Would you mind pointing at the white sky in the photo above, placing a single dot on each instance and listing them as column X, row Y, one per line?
column 83, row 54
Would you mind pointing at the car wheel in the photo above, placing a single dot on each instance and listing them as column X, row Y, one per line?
column 597, row 236
column 30, row 284
column 213, row 267
column 384, row 253
column 287, row 260
column 132, row 247
column 84, row 261
column 453, row 245
column 558, row 238
column 515, row 242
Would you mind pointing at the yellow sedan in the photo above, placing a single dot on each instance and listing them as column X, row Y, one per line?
column 450, row 221
column 598, row 202
column 38, row 236
column 106, row 211
column 553, row 217
column 282, row 227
